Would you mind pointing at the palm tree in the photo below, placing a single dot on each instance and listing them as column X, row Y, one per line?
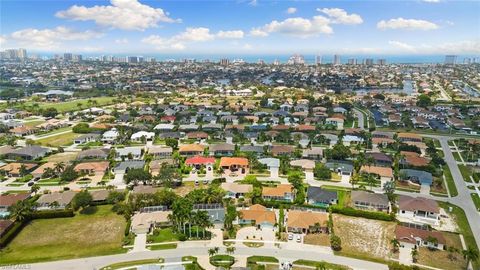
column 54, row 205
column 35, row 188
column 414, row 254
column 21, row 210
column 211, row 252
column 59, row 167
column 230, row 250
column 204, row 221
column 470, row 254
column 395, row 244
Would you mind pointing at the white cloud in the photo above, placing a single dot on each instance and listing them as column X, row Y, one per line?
column 449, row 23
column 198, row 34
column 3, row 40
column 298, row 26
column 432, row 1
column 253, row 3
column 121, row 41
column 461, row 47
column 50, row 38
column 236, row 34
column 291, row 10
column 408, row 24
column 247, row 46
column 121, row 14
column 340, row 16
column 402, row 45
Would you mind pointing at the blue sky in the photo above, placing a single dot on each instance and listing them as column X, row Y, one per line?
column 242, row 27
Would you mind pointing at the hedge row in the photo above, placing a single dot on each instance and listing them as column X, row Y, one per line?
column 61, row 213
column 12, row 232
column 348, row 211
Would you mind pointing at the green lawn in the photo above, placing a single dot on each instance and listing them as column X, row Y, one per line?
column 465, row 173
column 98, row 233
column 162, row 247
column 450, row 181
column 34, row 123
column 456, row 156
column 69, row 106
column 476, row 200
column 162, row 235
column 64, row 139
column 464, row 227
column 318, row 265
column 131, row 263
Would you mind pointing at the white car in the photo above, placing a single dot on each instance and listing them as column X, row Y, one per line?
column 299, row 238
column 290, row 237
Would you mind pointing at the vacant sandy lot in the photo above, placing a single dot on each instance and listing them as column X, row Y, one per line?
column 363, row 236
column 62, row 157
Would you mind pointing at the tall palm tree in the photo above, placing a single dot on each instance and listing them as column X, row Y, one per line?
column 21, row 210
column 414, row 254
column 470, row 254
column 395, row 244
column 59, row 167
column 204, row 221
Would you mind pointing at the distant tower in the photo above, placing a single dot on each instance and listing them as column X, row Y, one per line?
column 318, row 60
column 224, row 62
column 369, row 61
column 352, row 61
column 381, row 62
column 450, row 59
column 67, row 57
column 336, row 60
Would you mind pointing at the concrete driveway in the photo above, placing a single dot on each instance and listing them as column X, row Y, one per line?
column 405, row 256
column 255, row 234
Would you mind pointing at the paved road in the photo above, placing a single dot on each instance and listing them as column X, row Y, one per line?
column 361, row 122
column 101, row 261
column 463, row 199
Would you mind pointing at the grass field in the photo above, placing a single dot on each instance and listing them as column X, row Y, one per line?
column 69, row 106
column 98, row 233
column 464, row 227
column 63, row 139
column 450, row 182
column 131, row 263
column 65, row 157
column 476, row 200
column 465, row 173
column 162, row 235
column 34, row 123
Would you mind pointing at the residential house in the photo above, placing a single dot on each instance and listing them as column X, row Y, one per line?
column 14, row 169
column 380, row 159
column 282, row 192
column 128, row 153
column 222, row 149
column 22, row 131
column 416, row 177
column 38, row 172
column 418, row 210
column 337, row 122
column 198, row 162
column 62, row 198
column 315, row 153
column 7, row 200
column 29, row 152
column 299, row 221
column 234, row 164
column 408, row 137
column 124, row 166
column 86, row 138
column 384, row 173
column 259, row 216
column 235, row 190
column 321, row 197
column 145, row 222
column 215, row 211
column 191, row 150
column 110, row 136
column 413, row 159
column 160, row 152
column 342, row 168
column 142, row 135
column 282, row 150
column 370, row 201
column 92, row 168
column 410, row 238
column 93, row 154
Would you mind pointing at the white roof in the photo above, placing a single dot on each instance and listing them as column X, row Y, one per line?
column 141, row 134
column 164, row 126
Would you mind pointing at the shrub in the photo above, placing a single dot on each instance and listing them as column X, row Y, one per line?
column 348, row 211
column 127, row 228
column 14, row 230
column 182, row 237
column 335, row 242
column 60, row 213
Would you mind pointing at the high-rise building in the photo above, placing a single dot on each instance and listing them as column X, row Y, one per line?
column 352, row 61
column 318, row 60
column 224, row 62
column 132, row 59
column 77, row 57
column 21, row 53
column 67, row 57
column 467, row 60
column 450, row 59
column 337, row 60
column 368, row 61
column 381, row 62
column 296, row 59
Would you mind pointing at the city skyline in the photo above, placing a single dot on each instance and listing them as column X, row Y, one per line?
column 242, row 27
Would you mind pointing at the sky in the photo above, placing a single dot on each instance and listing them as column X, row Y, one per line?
column 141, row 27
